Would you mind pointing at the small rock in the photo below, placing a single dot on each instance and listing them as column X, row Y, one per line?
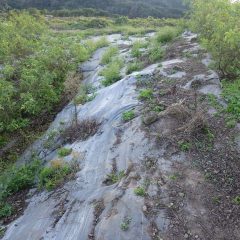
column 145, row 208
column 150, row 118
column 185, row 235
column 181, row 195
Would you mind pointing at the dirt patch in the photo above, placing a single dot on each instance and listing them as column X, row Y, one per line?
column 201, row 199
column 98, row 209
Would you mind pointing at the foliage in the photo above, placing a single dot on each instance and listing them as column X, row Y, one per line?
column 63, row 152
column 231, row 93
column 127, row 116
column 6, row 210
column 36, row 66
column 217, row 22
column 109, row 54
column 50, row 177
column 111, row 72
column 17, row 179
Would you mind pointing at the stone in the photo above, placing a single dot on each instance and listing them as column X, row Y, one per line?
column 150, row 118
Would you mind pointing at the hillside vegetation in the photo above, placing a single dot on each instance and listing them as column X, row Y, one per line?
column 131, row 8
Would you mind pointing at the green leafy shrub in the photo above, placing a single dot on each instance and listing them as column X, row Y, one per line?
column 63, row 152
column 108, row 55
column 50, row 177
column 127, row 116
column 217, row 23
column 167, row 34
column 184, row 146
column 17, row 179
column 6, row 210
column 112, row 72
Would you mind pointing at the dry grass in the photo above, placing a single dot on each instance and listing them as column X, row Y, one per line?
column 80, row 131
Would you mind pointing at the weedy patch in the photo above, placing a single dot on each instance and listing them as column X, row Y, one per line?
column 135, row 66
column 127, row 116
column 109, row 54
column 236, row 200
column 54, row 175
column 113, row 178
column 140, row 191
column 146, row 94
column 184, row 146
column 63, row 152
column 126, row 223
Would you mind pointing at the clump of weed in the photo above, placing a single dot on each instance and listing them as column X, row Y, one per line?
column 135, row 66
column 155, row 52
column 125, row 223
column 127, row 116
column 236, row 200
column 109, row 54
column 184, row 146
column 167, row 34
column 113, row 178
column 63, row 152
column 52, row 176
column 146, row 94
column 111, row 72
column 136, row 48
column 140, row 191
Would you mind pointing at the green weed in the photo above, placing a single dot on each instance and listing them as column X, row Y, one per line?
column 63, row 152
column 140, row 191
column 127, row 116
column 146, row 94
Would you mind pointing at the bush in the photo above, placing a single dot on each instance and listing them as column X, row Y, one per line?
column 17, row 179
column 140, row 191
column 6, row 210
column 51, row 177
column 167, row 34
column 217, row 22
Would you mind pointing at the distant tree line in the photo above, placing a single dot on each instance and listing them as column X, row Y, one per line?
column 130, row 8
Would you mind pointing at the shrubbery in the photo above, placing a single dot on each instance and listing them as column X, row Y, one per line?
column 36, row 65
column 217, row 22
